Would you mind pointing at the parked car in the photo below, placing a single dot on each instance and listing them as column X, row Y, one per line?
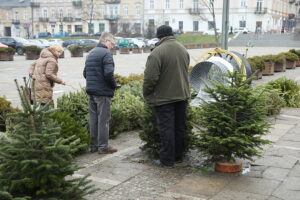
column 211, row 32
column 61, row 34
column 244, row 30
column 124, row 43
column 45, row 42
column 71, row 42
column 55, row 41
column 151, row 43
column 97, row 34
column 38, row 44
column 43, row 35
column 88, row 42
column 137, row 43
column 16, row 42
column 79, row 34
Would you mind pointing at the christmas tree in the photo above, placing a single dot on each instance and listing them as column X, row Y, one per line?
column 233, row 122
column 35, row 162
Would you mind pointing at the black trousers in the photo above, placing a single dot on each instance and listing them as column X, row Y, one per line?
column 170, row 119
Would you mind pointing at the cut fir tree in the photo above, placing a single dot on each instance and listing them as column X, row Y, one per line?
column 35, row 162
column 232, row 124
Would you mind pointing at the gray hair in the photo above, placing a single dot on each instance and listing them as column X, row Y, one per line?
column 107, row 36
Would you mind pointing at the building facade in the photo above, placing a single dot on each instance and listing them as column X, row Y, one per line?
column 28, row 18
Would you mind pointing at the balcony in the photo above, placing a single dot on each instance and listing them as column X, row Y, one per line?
column 194, row 11
column 77, row 19
column 111, row 17
column 43, row 19
column 260, row 10
column 68, row 19
column 77, row 3
column 34, row 5
column 15, row 21
column 292, row 1
column 112, row 1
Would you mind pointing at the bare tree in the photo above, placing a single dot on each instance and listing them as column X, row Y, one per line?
column 89, row 13
column 210, row 5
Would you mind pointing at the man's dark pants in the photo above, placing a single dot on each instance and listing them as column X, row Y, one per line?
column 170, row 119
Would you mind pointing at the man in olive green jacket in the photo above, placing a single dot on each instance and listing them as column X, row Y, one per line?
column 166, row 88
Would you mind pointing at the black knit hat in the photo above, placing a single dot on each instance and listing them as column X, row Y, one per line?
column 164, row 31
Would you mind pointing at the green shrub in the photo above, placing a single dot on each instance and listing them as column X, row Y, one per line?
column 75, row 103
column 75, row 48
column 70, row 127
column 273, row 101
column 279, row 59
column 288, row 90
column 5, row 109
column 126, row 112
column 88, row 48
column 32, row 49
column 297, row 52
column 7, row 50
column 122, row 80
column 257, row 63
column 291, row 56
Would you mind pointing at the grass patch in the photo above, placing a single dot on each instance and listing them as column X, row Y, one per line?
column 186, row 39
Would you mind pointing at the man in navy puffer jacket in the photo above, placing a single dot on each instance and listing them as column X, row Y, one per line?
column 100, row 87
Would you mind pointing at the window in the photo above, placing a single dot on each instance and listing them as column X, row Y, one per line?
column 37, row 27
column 69, row 29
column 25, row 15
column 101, row 27
column 138, row 10
column 52, row 28
column 69, row 12
column 116, row 10
column 78, row 14
column 101, row 11
column 167, row 4
column 243, row 3
column 210, row 24
column 195, row 4
column 151, row 4
column 45, row 13
column 61, row 13
column 53, row 13
column 126, row 10
column 181, row 4
column 180, row 25
column 195, row 26
column 151, row 22
column 259, row 5
column 61, row 28
column 242, row 23
column 16, row 15
column 167, row 23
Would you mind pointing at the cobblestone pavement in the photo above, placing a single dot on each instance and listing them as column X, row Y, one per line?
column 129, row 174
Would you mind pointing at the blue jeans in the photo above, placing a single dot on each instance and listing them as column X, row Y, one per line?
column 99, row 112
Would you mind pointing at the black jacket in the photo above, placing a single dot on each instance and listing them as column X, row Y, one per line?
column 99, row 72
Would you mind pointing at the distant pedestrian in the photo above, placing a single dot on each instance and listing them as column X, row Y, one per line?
column 282, row 30
column 44, row 73
column 166, row 88
column 100, row 87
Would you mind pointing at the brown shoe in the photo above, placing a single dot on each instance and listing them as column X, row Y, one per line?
column 107, row 150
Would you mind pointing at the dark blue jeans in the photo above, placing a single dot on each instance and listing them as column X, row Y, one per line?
column 170, row 119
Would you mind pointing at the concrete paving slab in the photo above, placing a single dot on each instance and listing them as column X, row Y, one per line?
column 275, row 173
column 253, row 185
column 235, row 195
column 277, row 130
column 200, row 186
column 277, row 161
column 295, row 171
column 291, row 136
column 289, row 189
column 292, row 144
